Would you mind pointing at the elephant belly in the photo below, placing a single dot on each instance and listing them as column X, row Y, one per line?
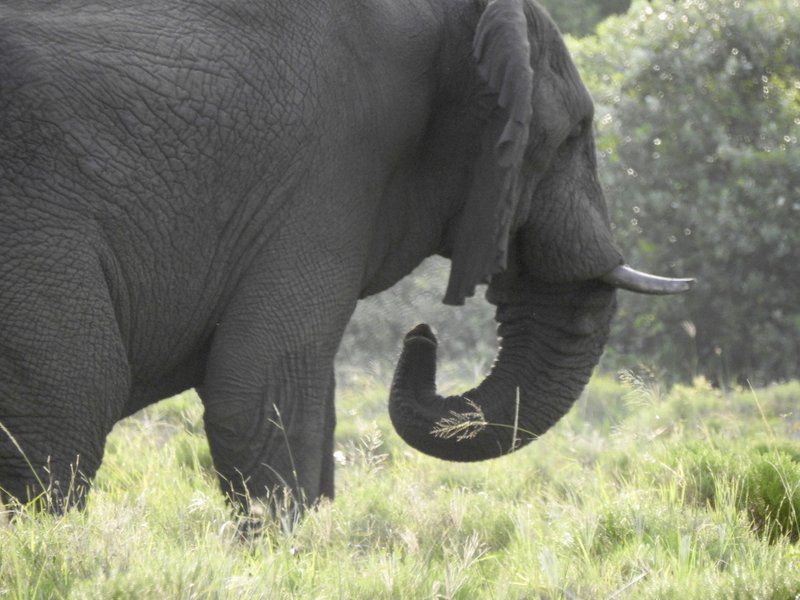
column 186, row 375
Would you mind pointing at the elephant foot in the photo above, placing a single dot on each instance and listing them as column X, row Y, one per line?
column 279, row 513
column 47, row 489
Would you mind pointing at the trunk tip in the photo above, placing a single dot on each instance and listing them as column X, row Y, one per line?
column 423, row 331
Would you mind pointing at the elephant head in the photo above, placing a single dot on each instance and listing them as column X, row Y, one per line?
column 534, row 225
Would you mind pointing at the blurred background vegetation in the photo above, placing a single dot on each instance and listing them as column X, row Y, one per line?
column 697, row 123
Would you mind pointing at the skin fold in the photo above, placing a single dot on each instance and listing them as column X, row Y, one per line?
column 196, row 194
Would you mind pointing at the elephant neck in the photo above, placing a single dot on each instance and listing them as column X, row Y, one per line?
column 431, row 177
column 407, row 229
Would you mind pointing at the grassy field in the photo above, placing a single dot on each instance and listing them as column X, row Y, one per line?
column 638, row 493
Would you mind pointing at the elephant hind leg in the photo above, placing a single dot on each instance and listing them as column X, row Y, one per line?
column 64, row 375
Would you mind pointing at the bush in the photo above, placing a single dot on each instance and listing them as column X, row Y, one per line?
column 579, row 17
column 764, row 475
column 771, row 490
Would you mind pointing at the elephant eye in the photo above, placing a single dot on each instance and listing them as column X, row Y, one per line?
column 577, row 130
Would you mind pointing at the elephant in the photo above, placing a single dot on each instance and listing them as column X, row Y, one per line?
column 195, row 194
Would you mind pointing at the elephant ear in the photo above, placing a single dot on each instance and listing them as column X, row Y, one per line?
column 501, row 50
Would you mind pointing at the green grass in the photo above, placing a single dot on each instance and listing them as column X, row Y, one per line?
column 638, row 493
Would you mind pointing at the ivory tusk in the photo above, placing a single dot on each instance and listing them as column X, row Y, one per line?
column 643, row 283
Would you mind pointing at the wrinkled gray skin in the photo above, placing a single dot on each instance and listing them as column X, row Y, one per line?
column 196, row 193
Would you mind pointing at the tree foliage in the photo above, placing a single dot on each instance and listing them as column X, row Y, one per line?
column 579, row 17
column 698, row 123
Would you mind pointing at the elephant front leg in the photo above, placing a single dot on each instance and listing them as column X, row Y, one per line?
column 273, row 441
column 269, row 386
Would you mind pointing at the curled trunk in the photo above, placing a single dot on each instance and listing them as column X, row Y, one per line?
column 549, row 345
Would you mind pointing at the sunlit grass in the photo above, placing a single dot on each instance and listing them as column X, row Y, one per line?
column 639, row 492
